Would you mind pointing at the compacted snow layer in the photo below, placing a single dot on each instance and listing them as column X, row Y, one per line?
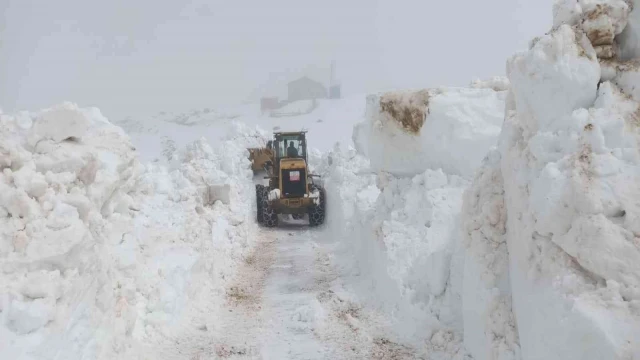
column 97, row 250
column 406, row 133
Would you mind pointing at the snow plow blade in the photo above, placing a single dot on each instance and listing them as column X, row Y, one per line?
column 259, row 157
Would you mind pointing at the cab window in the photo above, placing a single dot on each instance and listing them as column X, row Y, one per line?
column 290, row 146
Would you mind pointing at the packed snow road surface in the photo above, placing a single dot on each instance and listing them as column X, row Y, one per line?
column 287, row 302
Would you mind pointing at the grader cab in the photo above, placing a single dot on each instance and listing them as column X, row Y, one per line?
column 291, row 188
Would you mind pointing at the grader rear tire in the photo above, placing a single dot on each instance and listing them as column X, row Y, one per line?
column 269, row 214
column 259, row 202
column 317, row 212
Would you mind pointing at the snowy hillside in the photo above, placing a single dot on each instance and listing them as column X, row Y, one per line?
column 158, row 136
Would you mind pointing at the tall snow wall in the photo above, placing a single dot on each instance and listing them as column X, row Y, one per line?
column 401, row 192
column 569, row 169
column 553, row 211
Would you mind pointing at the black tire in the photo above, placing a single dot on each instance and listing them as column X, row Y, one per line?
column 317, row 212
column 269, row 214
column 259, row 202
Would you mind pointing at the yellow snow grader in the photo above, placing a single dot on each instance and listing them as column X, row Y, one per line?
column 291, row 189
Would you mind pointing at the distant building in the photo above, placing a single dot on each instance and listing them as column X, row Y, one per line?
column 269, row 103
column 334, row 92
column 334, row 87
column 305, row 89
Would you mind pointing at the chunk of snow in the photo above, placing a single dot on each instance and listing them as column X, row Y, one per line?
column 600, row 20
column 274, row 194
column 496, row 83
column 218, row 192
column 43, row 284
column 626, row 78
column 565, row 56
column 629, row 39
column 61, row 122
column 24, row 317
column 566, row 12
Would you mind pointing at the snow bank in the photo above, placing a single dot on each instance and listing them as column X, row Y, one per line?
column 98, row 252
column 551, row 218
column 65, row 171
column 401, row 193
column 571, row 182
column 406, row 133
column 403, row 232
column 547, row 263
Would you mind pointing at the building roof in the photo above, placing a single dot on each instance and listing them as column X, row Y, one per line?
column 305, row 79
column 278, row 82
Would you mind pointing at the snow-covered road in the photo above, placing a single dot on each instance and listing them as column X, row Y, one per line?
column 287, row 301
column 291, row 304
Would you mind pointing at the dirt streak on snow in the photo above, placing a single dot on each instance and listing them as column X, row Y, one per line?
column 242, row 321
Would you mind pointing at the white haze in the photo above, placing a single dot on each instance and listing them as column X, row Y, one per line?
column 133, row 56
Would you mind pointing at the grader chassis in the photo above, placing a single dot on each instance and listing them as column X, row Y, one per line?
column 291, row 189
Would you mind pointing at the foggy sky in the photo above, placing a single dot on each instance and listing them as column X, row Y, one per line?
column 131, row 56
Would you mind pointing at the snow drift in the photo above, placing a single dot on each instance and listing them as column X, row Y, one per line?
column 98, row 251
